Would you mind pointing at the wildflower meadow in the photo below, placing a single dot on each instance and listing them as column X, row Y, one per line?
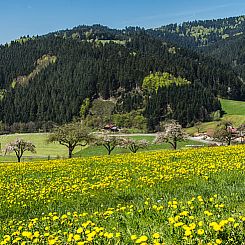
column 193, row 196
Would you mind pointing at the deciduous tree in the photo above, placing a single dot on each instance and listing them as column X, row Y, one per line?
column 172, row 132
column 109, row 142
column 134, row 145
column 224, row 132
column 71, row 135
column 241, row 131
column 19, row 146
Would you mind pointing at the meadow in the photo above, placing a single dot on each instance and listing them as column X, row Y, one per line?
column 40, row 140
column 234, row 112
column 56, row 151
column 232, row 107
column 193, row 196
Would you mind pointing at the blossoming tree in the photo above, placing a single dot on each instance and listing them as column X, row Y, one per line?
column 19, row 146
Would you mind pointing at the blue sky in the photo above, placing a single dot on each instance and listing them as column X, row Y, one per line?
column 32, row 17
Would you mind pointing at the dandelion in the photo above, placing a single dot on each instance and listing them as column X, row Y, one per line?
column 156, row 235
column 200, row 231
column 77, row 237
column 218, row 241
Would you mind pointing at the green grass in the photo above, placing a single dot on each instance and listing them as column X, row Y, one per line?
column 55, row 150
column 234, row 112
column 100, row 150
column 40, row 140
column 232, row 107
column 130, row 194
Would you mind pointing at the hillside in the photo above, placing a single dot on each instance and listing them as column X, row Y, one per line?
column 231, row 52
column 48, row 78
column 221, row 39
column 201, row 33
column 183, row 197
column 233, row 107
column 234, row 112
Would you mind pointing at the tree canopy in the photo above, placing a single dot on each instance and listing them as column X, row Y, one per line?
column 71, row 135
column 172, row 133
column 134, row 145
column 110, row 142
column 19, row 146
column 224, row 132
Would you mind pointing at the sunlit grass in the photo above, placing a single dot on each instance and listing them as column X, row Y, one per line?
column 234, row 112
column 47, row 151
column 40, row 140
column 148, row 197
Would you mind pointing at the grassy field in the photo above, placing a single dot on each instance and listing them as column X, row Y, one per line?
column 232, row 107
column 100, row 150
column 40, row 140
column 193, row 196
column 234, row 112
column 55, row 150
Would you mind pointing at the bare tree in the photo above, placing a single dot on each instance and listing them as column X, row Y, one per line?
column 134, row 145
column 19, row 146
column 172, row 132
column 71, row 135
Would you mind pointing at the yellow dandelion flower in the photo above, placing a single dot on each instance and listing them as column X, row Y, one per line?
column 79, row 230
column 52, row 241
column 77, row 237
column 187, row 232
column 36, row 234
column 218, row 241
column 133, row 237
column 156, row 235
column 200, row 231
column 90, row 239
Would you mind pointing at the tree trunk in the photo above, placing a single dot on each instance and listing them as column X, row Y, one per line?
column 109, row 151
column 229, row 141
column 175, row 145
column 70, row 152
column 18, row 155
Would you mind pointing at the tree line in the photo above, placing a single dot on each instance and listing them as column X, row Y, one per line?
column 76, row 134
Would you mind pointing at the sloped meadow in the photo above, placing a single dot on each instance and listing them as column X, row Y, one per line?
column 193, row 196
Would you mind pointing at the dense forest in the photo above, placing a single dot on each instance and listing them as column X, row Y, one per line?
column 48, row 78
column 222, row 39
column 202, row 33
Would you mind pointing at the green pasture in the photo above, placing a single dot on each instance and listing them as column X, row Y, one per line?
column 143, row 194
column 43, row 148
column 55, row 150
column 232, row 107
column 234, row 112
column 100, row 150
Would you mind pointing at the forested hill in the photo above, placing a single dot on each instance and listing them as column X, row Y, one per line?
column 222, row 39
column 202, row 33
column 48, row 78
column 230, row 52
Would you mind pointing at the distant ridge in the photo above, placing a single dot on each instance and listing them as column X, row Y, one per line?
column 98, row 62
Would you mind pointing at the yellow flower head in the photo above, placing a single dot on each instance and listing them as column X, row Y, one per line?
column 156, row 235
